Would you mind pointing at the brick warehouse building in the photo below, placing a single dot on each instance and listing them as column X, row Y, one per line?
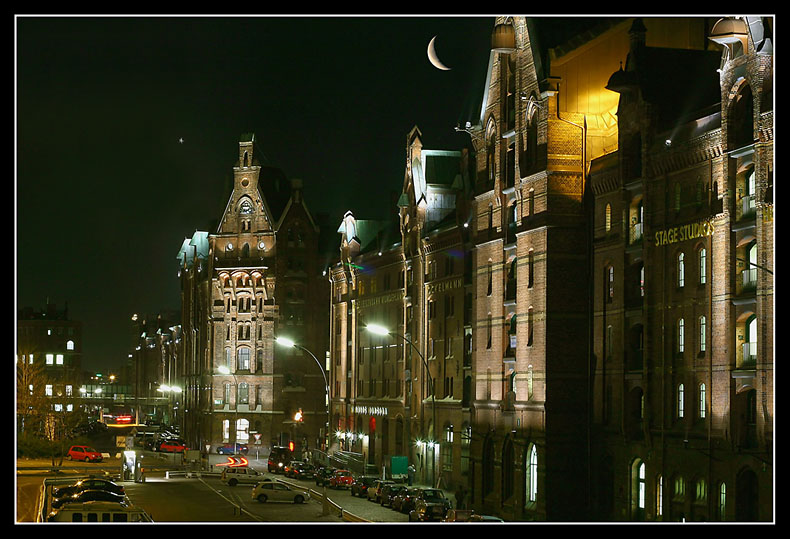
column 243, row 285
column 407, row 275
column 618, row 282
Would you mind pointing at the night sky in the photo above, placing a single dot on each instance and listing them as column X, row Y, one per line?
column 105, row 191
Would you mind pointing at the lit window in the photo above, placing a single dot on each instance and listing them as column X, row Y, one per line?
column 69, row 345
column 641, row 479
column 703, row 266
column 680, row 401
column 702, row 405
column 58, row 407
column 532, row 475
column 681, row 335
column 48, row 390
column 702, row 343
column 608, row 217
column 59, row 359
column 50, row 359
column 660, row 496
column 681, row 271
column 722, row 501
column 69, row 390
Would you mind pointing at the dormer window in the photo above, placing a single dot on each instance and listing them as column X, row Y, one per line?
column 245, row 208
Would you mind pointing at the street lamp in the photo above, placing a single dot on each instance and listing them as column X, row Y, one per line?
column 381, row 330
column 223, row 369
column 288, row 343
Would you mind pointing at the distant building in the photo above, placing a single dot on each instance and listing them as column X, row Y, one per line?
column 51, row 339
column 257, row 276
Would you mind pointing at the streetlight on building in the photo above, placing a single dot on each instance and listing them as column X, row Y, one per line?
column 288, row 343
column 381, row 330
column 223, row 369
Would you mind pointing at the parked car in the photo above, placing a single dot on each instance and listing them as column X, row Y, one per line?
column 88, row 484
column 341, row 479
column 84, row 452
column 322, row 475
column 241, row 475
column 271, row 491
column 90, row 496
column 430, row 504
column 173, row 445
column 388, row 492
column 278, row 457
column 303, row 471
column 360, row 485
column 232, row 449
column 404, row 500
column 288, row 468
column 91, row 428
column 374, row 490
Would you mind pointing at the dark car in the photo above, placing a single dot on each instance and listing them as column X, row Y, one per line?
column 304, row 470
column 374, row 491
column 88, row 484
column 360, row 485
column 288, row 469
column 279, row 456
column 388, row 492
column 323, row 475
column 404, row 500
column 232, row 449
column 89, row 496
column 430, row 504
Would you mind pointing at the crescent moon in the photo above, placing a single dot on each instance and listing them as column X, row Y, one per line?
column 435, row 59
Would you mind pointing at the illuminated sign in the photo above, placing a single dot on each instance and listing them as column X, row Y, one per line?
column 372, row 410
column 234, row 462
column 446, row 285
column 386, row 298
column 683, row 233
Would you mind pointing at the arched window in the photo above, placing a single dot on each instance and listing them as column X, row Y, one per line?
column 681, row 335
column 608, row 218
column 490, row 277
column 680, row 401
column 244, row 393
column 722, row 502
column 702, row 334
column 531, row 475
column 660, row 496
column 243, row 359
column 69, row 345
column 702, row 402
column 242, row 430
column 681, row 270
column 640, row 490
column 703, row 266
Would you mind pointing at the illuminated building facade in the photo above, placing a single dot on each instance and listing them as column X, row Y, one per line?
column 241, row 286
column 614, row 309
column 403, row 394
column 683, row 280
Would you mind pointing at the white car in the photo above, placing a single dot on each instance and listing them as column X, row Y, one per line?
column 270, row 491
column 236, row 476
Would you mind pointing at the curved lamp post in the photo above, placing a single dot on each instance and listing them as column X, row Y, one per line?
column 381, row 330
column 223, row 369
column 288, row 343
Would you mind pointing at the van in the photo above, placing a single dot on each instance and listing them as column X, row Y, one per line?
column 98, row 512
column 278, row 457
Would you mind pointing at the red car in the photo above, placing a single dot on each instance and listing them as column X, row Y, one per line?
column 173, row 446
column 341, row 479
column 84, row 452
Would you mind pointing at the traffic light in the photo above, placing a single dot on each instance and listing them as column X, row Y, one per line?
column 290, row 446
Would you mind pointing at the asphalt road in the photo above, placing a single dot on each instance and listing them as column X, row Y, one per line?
column 206, row 499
